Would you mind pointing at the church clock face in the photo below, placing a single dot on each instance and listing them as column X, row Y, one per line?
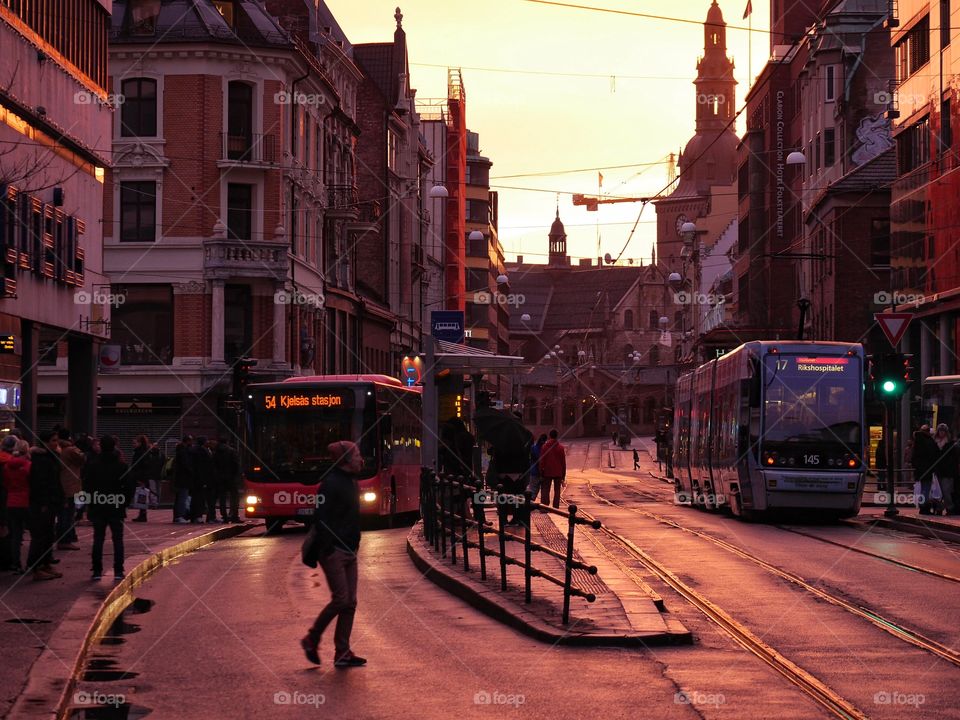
column 681, row 219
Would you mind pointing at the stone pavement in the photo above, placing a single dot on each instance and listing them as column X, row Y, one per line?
column 44, row 625
column 626, row 610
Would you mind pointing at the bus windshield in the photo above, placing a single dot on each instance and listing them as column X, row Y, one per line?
column 812, row 401
column 291, row 430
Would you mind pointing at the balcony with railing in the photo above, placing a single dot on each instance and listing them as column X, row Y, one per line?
column 225, row 258
column 250, row 149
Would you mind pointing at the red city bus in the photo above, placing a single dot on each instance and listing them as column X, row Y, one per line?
column 289, row 425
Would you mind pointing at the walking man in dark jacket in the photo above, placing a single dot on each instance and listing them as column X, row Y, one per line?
column 109, row 487
column 226, row 470
column 46, row 500
column 337, row 524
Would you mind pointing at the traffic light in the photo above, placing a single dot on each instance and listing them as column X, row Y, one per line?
column 891, row 375
column 241, row 375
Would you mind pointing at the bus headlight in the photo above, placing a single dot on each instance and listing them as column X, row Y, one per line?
column 253, row 500
column 369, row 496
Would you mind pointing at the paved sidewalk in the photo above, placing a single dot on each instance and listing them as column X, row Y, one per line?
column 44, row 624
column 626, row 611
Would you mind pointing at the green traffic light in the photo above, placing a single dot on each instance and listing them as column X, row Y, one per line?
column 889, row 386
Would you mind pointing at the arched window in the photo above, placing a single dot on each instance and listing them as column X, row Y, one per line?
column 138, row 113
column 654, row 319
column 628, row 320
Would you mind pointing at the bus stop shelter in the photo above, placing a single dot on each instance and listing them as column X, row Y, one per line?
column 458, row 359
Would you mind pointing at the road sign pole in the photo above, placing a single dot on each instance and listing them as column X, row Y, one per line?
column 890, row 409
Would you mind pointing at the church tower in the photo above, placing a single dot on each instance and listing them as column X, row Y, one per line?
column 716, row 88
column 558, row 243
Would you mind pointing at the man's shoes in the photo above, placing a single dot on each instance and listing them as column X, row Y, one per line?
column 350, row 660
column 181, row 521
column 41, row 574
column 119, row 575
column 97, row 577
column 310, row 650
column 68, row 546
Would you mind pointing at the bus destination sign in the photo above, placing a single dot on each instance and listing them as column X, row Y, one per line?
column 292, row 401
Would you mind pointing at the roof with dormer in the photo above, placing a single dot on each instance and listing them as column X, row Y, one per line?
column 180, row 21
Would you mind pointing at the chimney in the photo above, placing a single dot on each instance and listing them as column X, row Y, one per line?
column 519, row 259
column 586, row 262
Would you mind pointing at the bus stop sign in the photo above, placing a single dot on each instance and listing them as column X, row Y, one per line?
column 893, row 324
column 447, row 325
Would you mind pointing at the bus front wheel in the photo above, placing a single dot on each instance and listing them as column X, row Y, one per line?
column 273, row 526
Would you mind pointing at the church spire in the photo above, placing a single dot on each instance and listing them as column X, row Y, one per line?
column 716, row 86
column 558, row 243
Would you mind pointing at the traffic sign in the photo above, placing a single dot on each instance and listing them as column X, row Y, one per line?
column 893, row 324
column 447, row 325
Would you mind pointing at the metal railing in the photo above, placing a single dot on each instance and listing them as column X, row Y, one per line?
column 453, row 506
column 249, row 148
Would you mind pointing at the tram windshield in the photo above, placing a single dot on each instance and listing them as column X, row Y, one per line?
column 812, row 402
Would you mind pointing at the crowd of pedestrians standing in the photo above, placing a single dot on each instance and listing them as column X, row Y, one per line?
column 47, row 487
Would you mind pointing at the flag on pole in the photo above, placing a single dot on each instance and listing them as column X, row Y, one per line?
column 749, row 9
column 600, row 176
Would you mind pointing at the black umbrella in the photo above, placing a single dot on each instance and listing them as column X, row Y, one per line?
column 510, row 439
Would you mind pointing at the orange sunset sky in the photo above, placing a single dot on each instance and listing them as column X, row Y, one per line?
column 554, row 89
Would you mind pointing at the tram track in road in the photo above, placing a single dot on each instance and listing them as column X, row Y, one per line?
column 876, row 619
column 816, row 689
column 796, row 531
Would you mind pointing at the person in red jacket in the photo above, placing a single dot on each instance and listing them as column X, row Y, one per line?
column 553, row 469
column 16, row 482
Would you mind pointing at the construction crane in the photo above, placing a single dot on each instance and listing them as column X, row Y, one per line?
column 593, row 202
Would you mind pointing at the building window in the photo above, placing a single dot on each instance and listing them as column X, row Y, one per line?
column 239, row 211
column 237, row 322
column 138, row 211
column 829, row 147
column 946, row 129
column 628, row 320
column 228, row 11
column 880, row 243
column 393, row 144
column 653, row 319
column 913, row 146
column 143, row 324
column 138, row 113
column 913, row 50
column 478, row 211
column 830, row 83
column 477, row 248
column 239, row 120
column 944, row 23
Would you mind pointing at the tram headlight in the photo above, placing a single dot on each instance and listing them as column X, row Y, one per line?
column 369, row 496
column 253, row 500
column 769, row 458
